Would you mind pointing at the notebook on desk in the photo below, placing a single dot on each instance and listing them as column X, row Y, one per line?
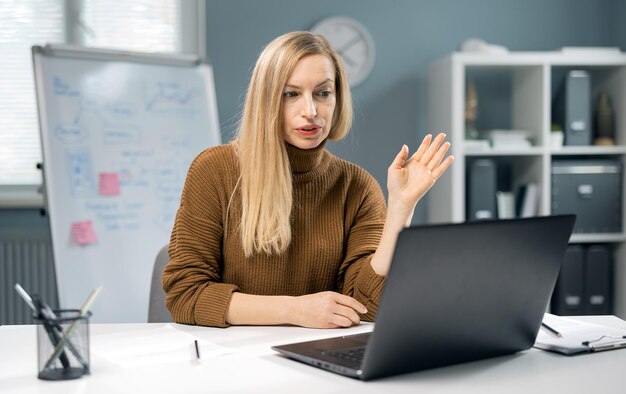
column 570, row 336
column 455, row 293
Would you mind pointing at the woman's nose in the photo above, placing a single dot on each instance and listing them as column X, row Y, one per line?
column 309, row 109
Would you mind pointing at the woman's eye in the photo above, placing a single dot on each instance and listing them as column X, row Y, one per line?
column 290, row 94
column 325, row 93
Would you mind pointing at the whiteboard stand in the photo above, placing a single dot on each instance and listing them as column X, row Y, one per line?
column 118, row 130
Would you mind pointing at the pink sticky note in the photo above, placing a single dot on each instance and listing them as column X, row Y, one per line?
column 83, row 232
column 109, row 184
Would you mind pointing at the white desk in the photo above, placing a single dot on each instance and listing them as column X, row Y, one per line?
column 255, row 368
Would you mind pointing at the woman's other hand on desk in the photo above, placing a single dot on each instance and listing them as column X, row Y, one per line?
column 325, row 310
column 319, row 310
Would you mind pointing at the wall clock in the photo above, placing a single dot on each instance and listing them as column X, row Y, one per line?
column 353, row 43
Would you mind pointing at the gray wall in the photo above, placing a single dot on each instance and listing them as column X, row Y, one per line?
column 617, row 23
column 409, row 35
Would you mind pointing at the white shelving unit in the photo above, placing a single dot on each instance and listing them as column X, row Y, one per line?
column 532, row 79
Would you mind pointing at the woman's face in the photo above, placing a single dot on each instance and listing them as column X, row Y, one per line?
column 309, row 102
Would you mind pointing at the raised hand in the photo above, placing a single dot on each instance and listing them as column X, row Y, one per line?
column 409, row 178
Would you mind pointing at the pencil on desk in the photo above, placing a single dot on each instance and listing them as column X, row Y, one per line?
column 197, row 349
column 550, row 329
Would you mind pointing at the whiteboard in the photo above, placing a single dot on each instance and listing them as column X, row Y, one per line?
column 118, row 131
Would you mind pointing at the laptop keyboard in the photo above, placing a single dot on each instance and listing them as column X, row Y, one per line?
column 354, row 354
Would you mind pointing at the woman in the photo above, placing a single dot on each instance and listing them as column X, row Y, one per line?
column 272, row 228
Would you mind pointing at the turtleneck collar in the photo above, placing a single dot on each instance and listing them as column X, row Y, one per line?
column 305, row 160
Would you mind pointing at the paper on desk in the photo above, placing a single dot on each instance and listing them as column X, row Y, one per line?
column 574, row 333
column 163, row 345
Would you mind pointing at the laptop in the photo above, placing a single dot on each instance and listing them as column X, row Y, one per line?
column 454, row 293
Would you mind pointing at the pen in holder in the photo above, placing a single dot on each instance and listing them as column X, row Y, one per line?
column 62, row 344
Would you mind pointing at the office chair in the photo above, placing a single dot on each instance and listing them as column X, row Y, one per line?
column 157, row 312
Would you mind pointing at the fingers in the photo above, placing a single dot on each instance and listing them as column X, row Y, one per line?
column 428, row 147
column 345, row 311
column 436, row 160
column 434, row 146
column 350, row 302
column 430, row 155
column 422, row 148
column 437, row 172
column 345, row 316
column 327, row 309
column 400, row 158
column 347, row 308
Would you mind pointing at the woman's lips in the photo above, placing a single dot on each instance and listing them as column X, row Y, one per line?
column 308, row 130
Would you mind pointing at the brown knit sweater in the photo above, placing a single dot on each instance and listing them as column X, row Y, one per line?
column 337, row 221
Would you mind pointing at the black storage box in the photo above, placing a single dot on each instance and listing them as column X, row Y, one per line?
column 591, row 189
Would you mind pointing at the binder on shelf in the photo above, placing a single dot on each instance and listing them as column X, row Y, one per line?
column 527, row 200
column 572, row 108
column 576, row 337
column 481, row 192
column 598, row 280
column 584, row 283
column 568, row 292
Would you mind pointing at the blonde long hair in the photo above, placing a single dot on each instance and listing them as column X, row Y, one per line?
column 265, row 180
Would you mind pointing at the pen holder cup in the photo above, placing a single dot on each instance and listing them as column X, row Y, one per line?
column 63, row 345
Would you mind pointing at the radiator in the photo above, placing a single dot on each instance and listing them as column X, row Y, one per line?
column 26, row 260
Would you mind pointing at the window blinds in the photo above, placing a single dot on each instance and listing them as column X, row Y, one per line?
column 137, row 25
